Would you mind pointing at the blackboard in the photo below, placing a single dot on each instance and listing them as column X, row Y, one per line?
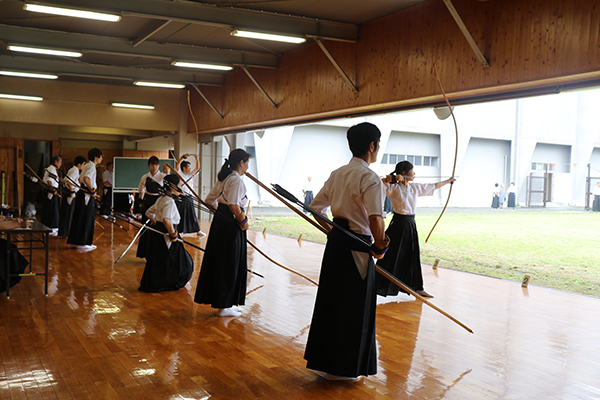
column 129, row 170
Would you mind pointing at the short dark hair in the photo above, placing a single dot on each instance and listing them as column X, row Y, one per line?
column 172, row 179
column 94, row 153
column 183, row 165
column 55, row 159
column 79, row 160
column 361, row 136
column 153, row 160
column 108, row 164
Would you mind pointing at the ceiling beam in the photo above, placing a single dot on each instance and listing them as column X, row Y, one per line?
column 336, row 65
column 123, row 47
column 466, row 34
column 60, row 67
column 148, row 33
column 211, row 105
column 227, row 17
column 260, row 88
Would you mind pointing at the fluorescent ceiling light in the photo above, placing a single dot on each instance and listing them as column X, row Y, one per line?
column 268, row 36
column 67, row 12
column 18, row 97
column 127, row 105
column 160, row 85
column 44, row 51
column 28, row 75
column 202, row 66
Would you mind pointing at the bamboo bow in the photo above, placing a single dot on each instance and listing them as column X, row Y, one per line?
column 455, row 150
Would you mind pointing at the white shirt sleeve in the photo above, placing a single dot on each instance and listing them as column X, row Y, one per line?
column 214, row 193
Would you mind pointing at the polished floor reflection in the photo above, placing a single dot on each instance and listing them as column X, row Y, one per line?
column 97, row 337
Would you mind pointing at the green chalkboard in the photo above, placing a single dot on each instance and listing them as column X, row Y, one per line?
column 129, row 170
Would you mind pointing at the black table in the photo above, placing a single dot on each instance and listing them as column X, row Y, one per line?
column 34, row 238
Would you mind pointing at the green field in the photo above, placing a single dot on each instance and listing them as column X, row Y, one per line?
column 558, row 249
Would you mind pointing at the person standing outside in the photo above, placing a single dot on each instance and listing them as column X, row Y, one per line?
column 224, row 271
column 308, row 193
column 512, row 196
column 403, row 260
column 341, row 340
column 501, row 196
column 596, row 193
column 84, row 212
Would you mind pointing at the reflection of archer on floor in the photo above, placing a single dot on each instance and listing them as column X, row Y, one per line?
column 398, row 330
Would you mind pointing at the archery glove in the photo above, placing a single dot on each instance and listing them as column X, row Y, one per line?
column 242, row 221
column 380, row 247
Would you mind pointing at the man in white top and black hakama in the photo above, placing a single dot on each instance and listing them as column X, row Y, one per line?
column 189, row 221
column 51, row 203
column 150, row 184
column 341, row 340
column 168, row 264
column 84, row 212
column 66, row 206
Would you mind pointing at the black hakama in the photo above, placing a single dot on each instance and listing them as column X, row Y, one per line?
column 341, row 340
column 166, row 268
column 223, row 275
column 18, row 263
column 106, row 206
column 81, row 232
column 188, row 222
column 142, row 248
column 496, row 201
column 50, row 211
column 122, row 202
column 308, row 198
column 596, row 205
column 403, row 258
column 511, row 200
column 66, row 215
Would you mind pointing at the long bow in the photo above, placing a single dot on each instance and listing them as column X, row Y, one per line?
column 455, row 150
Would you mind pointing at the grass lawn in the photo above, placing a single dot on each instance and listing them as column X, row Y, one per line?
column 558, row 249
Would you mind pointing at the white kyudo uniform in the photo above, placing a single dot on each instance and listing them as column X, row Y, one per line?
column 165, row 207
column 73, row 174
column 223, row 275
column 341, row 340
column 404, row 198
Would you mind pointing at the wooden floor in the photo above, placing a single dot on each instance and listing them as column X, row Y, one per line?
column 96, row 337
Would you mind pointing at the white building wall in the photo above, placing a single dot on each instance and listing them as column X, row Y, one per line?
column 489, row 134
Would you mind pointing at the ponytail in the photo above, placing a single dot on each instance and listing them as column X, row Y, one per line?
column 231, row 163
column 403, row 167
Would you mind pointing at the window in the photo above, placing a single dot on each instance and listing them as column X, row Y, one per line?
column 418, row 160
column 252, row 151
column 411, row 159
column 392, row 159
column 384, row 159
column 435, row 162
column 426, row 161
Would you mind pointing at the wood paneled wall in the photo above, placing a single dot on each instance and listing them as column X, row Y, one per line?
column 11, row 160
column 69, row 154
column 530, row 45
column 145, row 153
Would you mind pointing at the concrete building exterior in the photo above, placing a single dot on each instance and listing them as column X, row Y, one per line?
column 498, row 142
